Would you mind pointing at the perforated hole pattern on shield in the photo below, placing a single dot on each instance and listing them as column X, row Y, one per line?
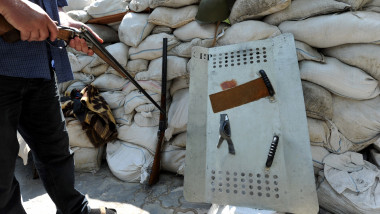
column 237, row 58
column 248, row 184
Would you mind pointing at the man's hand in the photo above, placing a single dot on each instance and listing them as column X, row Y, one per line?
column 30, row 19
column 77, row 43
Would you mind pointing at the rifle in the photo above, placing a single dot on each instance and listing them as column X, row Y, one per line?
column 10, row 34
column 155, row 173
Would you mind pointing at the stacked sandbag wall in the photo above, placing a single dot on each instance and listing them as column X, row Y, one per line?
column 338, row 50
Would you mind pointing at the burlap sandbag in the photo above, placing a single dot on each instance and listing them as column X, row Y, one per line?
column 137, row 65
column 359, row 121
column 173, row 17
column 134, row 28
column 247, row 9
column 318, row 101
column 248, row 31
column 355, row 4
column 194, row 30
column 341, row 79
column 302, row 9
column 337, row 29
column 101, row 8
column 184, row 49
column 79, row 15
column 363, row 56
column 373, row 6
column 305, row 52
column 138, row 5
column 171, row 3
column 176, row 67
column 109, row 82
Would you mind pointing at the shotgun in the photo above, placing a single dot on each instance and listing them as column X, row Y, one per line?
column 155, row 173
column 10, row 34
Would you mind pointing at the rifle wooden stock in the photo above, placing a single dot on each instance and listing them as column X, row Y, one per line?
column 155, row 173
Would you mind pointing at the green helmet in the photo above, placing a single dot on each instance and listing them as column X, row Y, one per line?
column 211, row 11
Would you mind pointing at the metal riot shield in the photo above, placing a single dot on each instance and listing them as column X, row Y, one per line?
column 248, row 142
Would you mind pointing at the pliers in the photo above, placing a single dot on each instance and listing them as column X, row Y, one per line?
column 225, row 133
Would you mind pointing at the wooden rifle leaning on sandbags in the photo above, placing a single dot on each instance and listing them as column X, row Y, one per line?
column 155, row 173
column 10, row 34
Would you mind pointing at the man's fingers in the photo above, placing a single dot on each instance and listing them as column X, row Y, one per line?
column 25, row 36
column 34, row 36
column 44, row 33
column 53, row 30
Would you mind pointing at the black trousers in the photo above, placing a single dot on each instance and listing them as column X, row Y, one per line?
column 32, row 107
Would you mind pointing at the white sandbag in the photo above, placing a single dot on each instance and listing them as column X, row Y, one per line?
column 109, row 82
column 373, row 5
column 145, row 137
column 179, row 83
column 105, row 32
column 248, row 31
column 77, row 4
column 173, row 17
column 23, row 149
column 179, row 140
column 162, row 29
column 147, row 119
column 184, row 49
column 319, row 132
column 150, row 85
column 359, row 121
column 86, row 78
column 151, row 47
column 333, row 30
column 134, row 28
column 102, row 8
column 375, row 157
column 79, row 85
column 363, row 56
column 318, row 154
column 128, row 162
column 135, row 98
column 146, row 108
column 77, row 63
column 138, row 5
column 79, row 15
column 194, row 30
column 137, row 65
column 228, row 209
column 118, row 50
column 77, row 136
column 340, row 79
column 302, row 9
column 178, row 112
column 114, row 99
column 350, row 186
column 95, row 70
column 318, row 101
column 176, row 67
column 87, row 159
column 111, row 70
column 171, row 3
column 355, row 4
column 121, row 117
column 173, row 159
column 305, row 52
column 246, row 9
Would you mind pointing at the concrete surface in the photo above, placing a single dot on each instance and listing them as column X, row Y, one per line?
column 104, row 189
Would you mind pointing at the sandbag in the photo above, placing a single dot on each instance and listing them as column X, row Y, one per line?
column 105, row 32
column 109, row 82
column 318, row 154
column 340, row 79
column 121, row 117
column 248, row 31
column 79, row 15
column 77, row 4
column 302, row 9
column 87, row 159
column 78, row 85
column 178, row 112
column 173, row 17
column 229, row 209
column 95, row 70
column 349, row 185
column 305, row 52
column 176, row 67
column 145, row 137
column 173, row 159
column 137, row 65
column 134, row 28
column 162, row 29
column 319, row 132
column 179, row 83
column 337, row 29
column 128, row 162
column 150, row 85
column 355, row 4
column 359, row 121
column 179, row 140
column 138, row 5
column 184, row 49
column 247, row 9
column 363, row 56
column 147, row 119
column 171, row 3
column 78, row 62
column 318, row 101
column 373, row 5
column 102, row 8
column 135, row 98
column 118, row 50
column 194, row 30
column 151, row 47
column 114, row 99
column 77, row 136
column 146, row 107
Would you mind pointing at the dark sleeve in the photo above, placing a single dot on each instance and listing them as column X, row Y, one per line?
column 61, row 3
